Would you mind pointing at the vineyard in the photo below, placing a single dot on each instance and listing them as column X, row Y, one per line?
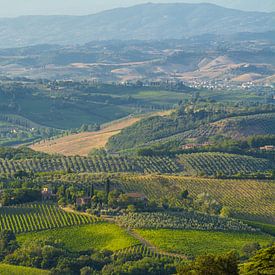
column 247, row 199
column 193, row 243
column 208, row 164
column 36, row 217
column 227, row 164
column 145, row 251
column 99, row 236
column 94, row 164
column 184, row 220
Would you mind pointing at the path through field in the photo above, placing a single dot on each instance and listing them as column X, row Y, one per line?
column 153, row 248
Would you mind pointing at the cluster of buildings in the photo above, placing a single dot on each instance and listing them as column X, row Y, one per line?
column 133, row 198
column 191, row 146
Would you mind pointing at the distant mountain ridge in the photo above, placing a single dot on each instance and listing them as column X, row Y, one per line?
column 141, row 22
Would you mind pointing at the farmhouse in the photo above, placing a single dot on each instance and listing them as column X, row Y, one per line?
column 83, row 201
column 47, row 193
column 194, row 145
column 136, row 197
column 268, row 148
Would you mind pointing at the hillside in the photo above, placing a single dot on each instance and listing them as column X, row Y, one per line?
column 82, row 144
column 247, row 199
column 218, row 163
column 35, row 110
column 143, row 22
column 158, row 131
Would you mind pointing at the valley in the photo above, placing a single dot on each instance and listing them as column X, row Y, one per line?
column 138, row 140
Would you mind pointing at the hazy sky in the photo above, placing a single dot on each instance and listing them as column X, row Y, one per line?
column 36, row 7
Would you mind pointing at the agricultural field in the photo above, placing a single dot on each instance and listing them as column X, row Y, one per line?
column 37, row 217
column 247, row 199
column 94, row 164
column 81, row 144
column 99, row 236
column 16, row 270
column 196, row 164
column 183, row 220
column 236, row 127
column 193, row 243
column 219, row 163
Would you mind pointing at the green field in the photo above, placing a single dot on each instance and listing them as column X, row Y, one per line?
column 80, row 238
column 20, row 270
column 193, row 243
column 37, row 216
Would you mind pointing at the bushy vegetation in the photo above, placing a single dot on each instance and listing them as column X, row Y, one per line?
column 9, row 153
column 183, row 220
column 212, row 264
column 196, row 120
column 35, row 217
column 263, row 262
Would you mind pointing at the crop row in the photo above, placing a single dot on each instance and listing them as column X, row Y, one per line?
column 189, row 220
column 94, row 164
column 35, row 217
column 247, row 199
column 228, row 164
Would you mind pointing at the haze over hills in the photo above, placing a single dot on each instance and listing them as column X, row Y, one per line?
column 142, row 22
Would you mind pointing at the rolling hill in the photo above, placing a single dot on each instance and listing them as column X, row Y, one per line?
column 81, row 144
column 143, row 22
column 167, row 130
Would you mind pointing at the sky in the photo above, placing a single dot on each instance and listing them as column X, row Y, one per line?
column 12, row 8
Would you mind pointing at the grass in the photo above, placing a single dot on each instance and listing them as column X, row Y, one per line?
column 193, row 243
column 80, row 238
column 16, row 270
column 81, row 144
